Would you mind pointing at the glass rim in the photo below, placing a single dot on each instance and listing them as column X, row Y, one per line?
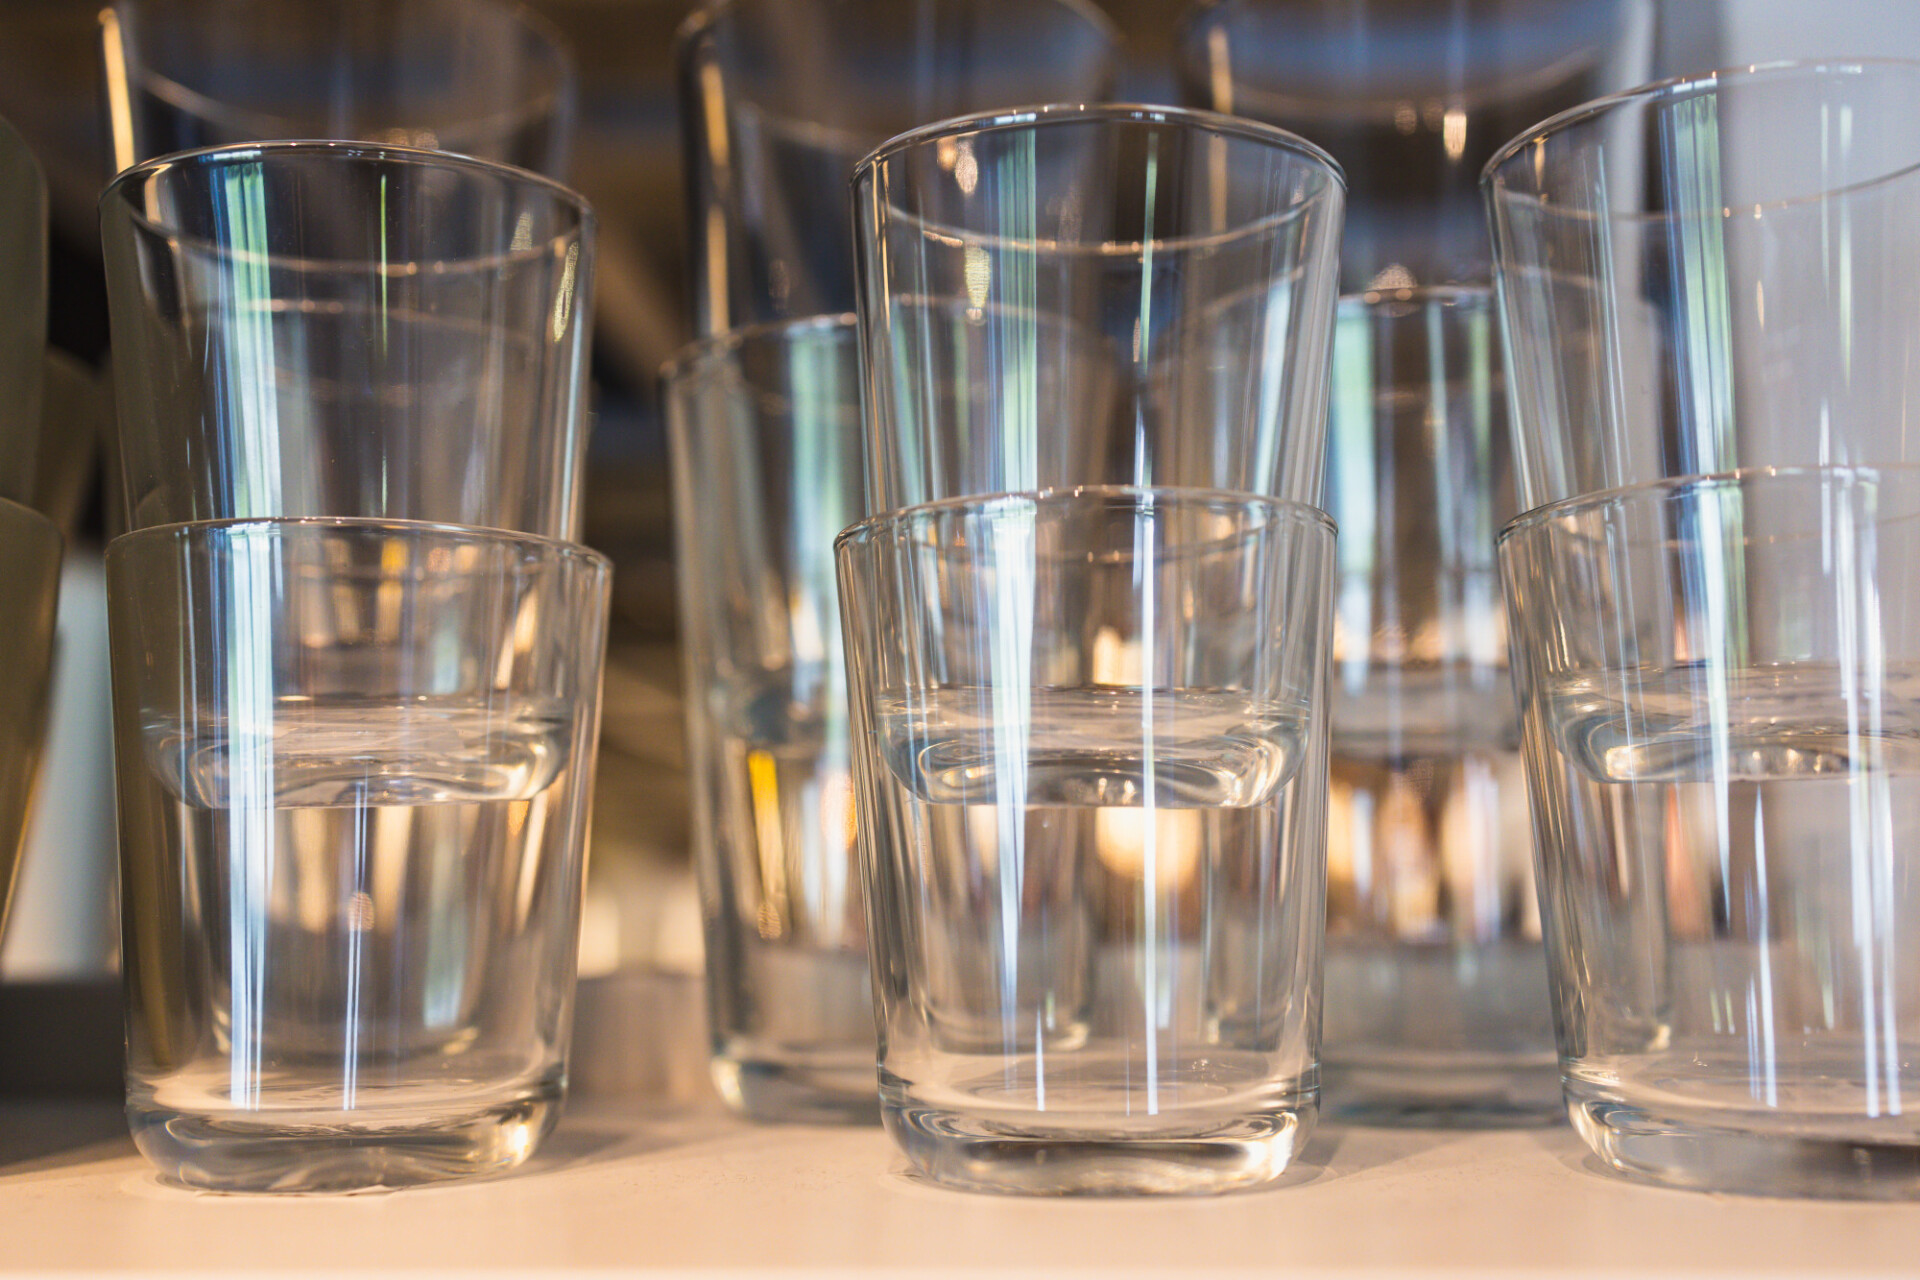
column 728, row 341
column 117, row 203
column 1303, row 514
column 1535, row 518
column 1007, row 119
column 550, row 548
column 705, row 16
column 1680, row 88
column 557, row 88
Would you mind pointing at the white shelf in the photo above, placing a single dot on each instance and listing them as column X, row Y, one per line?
column 625, row 1188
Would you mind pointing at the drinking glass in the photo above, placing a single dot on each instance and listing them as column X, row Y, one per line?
column 354, row 762
column 23, row 321
column 1717, row 677
column 766, row 441
column 1411, row 98
column 30, row 548
column 478, row 77
column 1090, row 753
column 330, row 329
column 780, row 98
column 1104, row 295
column 1436, row 981
column 1713, row 273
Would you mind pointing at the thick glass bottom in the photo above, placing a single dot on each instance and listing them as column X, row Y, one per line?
column 778, row 1092
column 1443, row 1094
column 1227, row 1154
column 1778, row 1156
column 252, row 1151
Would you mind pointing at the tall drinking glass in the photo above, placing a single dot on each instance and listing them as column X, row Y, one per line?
column 1411, row 98
column 1714, row 273
column 1436, row 981
column 1065, row 296
column 1718, row 677
column 482, row 78
column 1090, row 746
column 781, row 98
column 329, row 329
column 766, row 435
column 354, row 763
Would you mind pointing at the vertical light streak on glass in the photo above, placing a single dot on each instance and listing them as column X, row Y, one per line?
column 246, row 401
column 1356, row 489
column 1760, row 1029
column 1278, row 336
column 1697, row 223
column 357, row 920
column 1150, row 986
column 820, row 509
column 1015, row 279
column 1008, row 541
column 1143, row 326
column 119, row 92
column 1860, row 646
column 1144, row 582
column 1440, row 428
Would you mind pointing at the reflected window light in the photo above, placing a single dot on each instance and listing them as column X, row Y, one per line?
column 966, row 169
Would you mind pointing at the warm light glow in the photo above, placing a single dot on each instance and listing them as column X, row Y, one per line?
column 763, row 784
column 1453, row 132
column 1125, row 836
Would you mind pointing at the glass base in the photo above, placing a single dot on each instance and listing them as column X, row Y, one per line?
column 974, row 1155
column 244, row 1152
column 1682, row 1151
column 1451, row 1096
column 799, row 1093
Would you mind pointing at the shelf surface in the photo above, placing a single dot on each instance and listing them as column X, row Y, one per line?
column 627, row 1187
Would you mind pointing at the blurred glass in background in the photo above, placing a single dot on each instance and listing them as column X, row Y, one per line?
column 1412, row 98
column 479, row 77
column 781, row 98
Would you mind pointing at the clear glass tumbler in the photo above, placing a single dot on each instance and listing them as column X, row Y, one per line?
column 1411, row 98
column 1090, row 750
column 1103, row 295
column 1718, row 679
column 1436, row 983
column 781, row 98
column 482, row 78
column 30, row 553
column 767, row 451
column 329, row 329
column 354, row 761
column 1714, row 273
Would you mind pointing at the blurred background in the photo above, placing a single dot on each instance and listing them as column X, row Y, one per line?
column 640, row 946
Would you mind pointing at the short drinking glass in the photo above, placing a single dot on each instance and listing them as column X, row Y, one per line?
column 1718, row 677
column 483, row 78
column 354, row 764
column 1090, row 748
